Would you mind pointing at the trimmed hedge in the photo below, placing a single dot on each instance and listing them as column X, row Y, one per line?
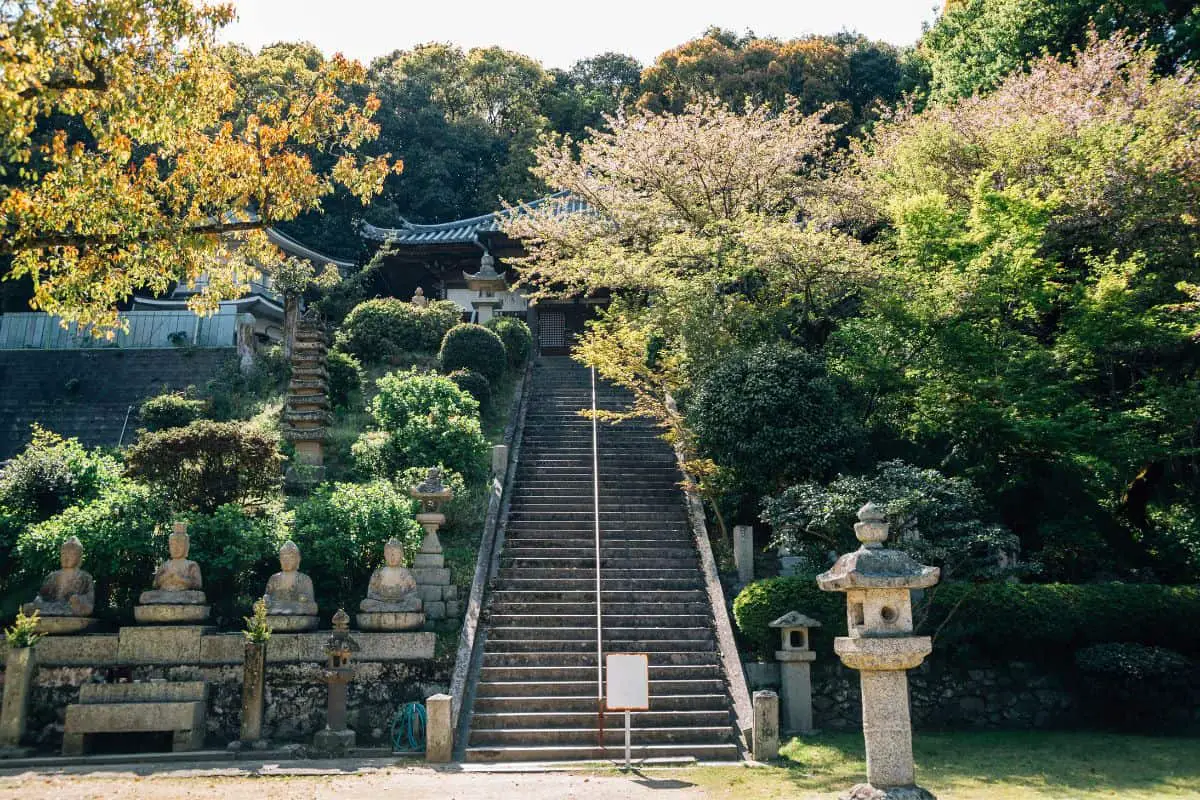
column 379, row 329
column 473, row 384
column 173, row 410
column 474, row 347
column 996, row 621
column 516, row 336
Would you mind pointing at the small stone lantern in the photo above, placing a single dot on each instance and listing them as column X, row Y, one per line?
column 795, row 657
column 878, row 583
column 336, row 739
column 487, row 282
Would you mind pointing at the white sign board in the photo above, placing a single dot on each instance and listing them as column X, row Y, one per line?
column 627, row 684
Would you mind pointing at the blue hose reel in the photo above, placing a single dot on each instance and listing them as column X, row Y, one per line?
column 408, row 729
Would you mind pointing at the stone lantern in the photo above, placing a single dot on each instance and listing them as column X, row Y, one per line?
column 337, row 738
column 795, row 658
column 429, row 564
column 487, row 282
column 878, row 583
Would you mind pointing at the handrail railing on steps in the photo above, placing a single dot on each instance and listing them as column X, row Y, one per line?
column 596, row 515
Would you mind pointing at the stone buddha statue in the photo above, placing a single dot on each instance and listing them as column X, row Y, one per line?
column 289, row 595
column 177, row 595
column 393, row 602
column 68, row 595
column 419, row 299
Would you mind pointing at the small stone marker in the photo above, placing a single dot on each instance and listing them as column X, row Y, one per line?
column 19, row 667
column 795, row 657
column 743, row 552
column 499, row 461
column 439, row 736
column 766, row 725
column 878, row 584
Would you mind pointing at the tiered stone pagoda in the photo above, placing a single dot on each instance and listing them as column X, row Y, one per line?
column 306, row 414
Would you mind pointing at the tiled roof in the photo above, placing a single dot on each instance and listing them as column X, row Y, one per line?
column 292, row 247
column 462, row 231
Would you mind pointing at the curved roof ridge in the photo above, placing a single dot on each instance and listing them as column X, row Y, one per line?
column 459, row 230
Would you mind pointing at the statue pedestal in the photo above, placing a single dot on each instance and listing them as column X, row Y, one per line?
column 333, row 743
column 170, row 614
column 287, row 623
column 390, row 620
column 64, row 626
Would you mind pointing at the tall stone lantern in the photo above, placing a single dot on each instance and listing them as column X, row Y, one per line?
column 429, row 564
column 878, row 582
column 487, row 282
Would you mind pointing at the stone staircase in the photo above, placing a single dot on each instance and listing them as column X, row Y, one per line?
column 536, row 694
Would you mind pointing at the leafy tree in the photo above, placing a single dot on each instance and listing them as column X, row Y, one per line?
column 130, row 150
column 591, row 90
column 52, row 474
column 975, row 44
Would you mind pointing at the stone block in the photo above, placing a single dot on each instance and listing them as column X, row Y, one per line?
column 429, row 561
column 222, row 648
column 432, row 576
column 435, row 610
column 165, row 645
column 439, row 735
column 499, row 461
column 285, row 623
column 20, row 664
column 78, row 651
column 453, row 609
column 170, row 614
column 333, row 743
column 65, row 626
column 296, row 647
column 390, row 621
column 144, row 692
column 450, row 593
column 766, row 725
column 86, row 719
column 412, row 646
column 743, row 552
column 431, row 594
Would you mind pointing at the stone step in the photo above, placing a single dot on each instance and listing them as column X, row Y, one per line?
column 538, row 585
column 514, row 561
column 607, row 596
column 612, row 634
column 543, row 646
column 612, row 737
column 588, row 659
column 553, row 674
column 639, row 720
column 587, row 688
column 609, row 610
column 609, row 620
column 587, row 705
column 639, row 752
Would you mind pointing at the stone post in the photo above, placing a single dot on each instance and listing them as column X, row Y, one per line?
column 743, row 552
column 878, row 583
column 766, row 725
column 499, row 461
column 439, row 736
column 795, row 657
column 254, row 666
column 18, row 677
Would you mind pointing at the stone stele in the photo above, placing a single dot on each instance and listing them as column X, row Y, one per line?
column 289, row 595
column 67, row 597
column 178, row 596
column 393, row 602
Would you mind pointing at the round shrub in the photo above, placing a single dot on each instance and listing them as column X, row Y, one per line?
column 51, row 474
column 516, row 336
column 773, row 416
column 237, row 552
column 474, row 384
column 345, row 378
column 406, row 394
column 119, row 548
column 341, row 529
column 384, row 327
column 208, row 464
column 762, row 602
column 172, row 410
column 1133, row 687
column 473, row 347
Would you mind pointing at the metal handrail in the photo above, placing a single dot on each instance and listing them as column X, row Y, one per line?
column 596, row 507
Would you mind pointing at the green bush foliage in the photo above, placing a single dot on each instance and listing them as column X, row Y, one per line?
column 939, row 520
column 51, row 474
column 237, row 553
column 473, row 384
column 990, row 622
column 207, row 464
column 516, row 336
column 474, row 347
column 341, row 529
column 119, row 546
column 171, row 410
column 773, row 414
column 345, row 378
column 1133, row 687
column 428, row 420
column 379, row 329
column 235, row 394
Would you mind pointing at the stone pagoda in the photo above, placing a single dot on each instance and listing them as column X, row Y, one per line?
column 306, row 415
column 878, row 583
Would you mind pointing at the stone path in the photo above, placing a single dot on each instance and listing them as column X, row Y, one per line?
column 297, row 781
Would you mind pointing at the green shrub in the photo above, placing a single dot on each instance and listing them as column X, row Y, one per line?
column 428, row 420
column 379, row 329
column 52, row 474
column 1133, row 687
column 773, row 416
column 345, row 378
column 208, row 464
column 467, row 509
column 171, row 410
column 991, row 621
column 473, row 384
column 237, row 553
column 236, row 394
column 473, row 347
column 119, row 546
column 341, row 530
column 516, row 336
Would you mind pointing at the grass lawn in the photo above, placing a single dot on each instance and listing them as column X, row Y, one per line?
column 979, row 766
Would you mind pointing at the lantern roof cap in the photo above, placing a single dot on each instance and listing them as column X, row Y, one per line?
column 794, row 619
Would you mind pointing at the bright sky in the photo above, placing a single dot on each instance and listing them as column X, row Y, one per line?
column 559, row 33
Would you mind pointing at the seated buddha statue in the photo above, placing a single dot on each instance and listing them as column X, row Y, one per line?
column 289, row 595
column 66, row 592
column 393, row 602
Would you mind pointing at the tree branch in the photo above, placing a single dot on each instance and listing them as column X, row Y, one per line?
column 90, row 240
